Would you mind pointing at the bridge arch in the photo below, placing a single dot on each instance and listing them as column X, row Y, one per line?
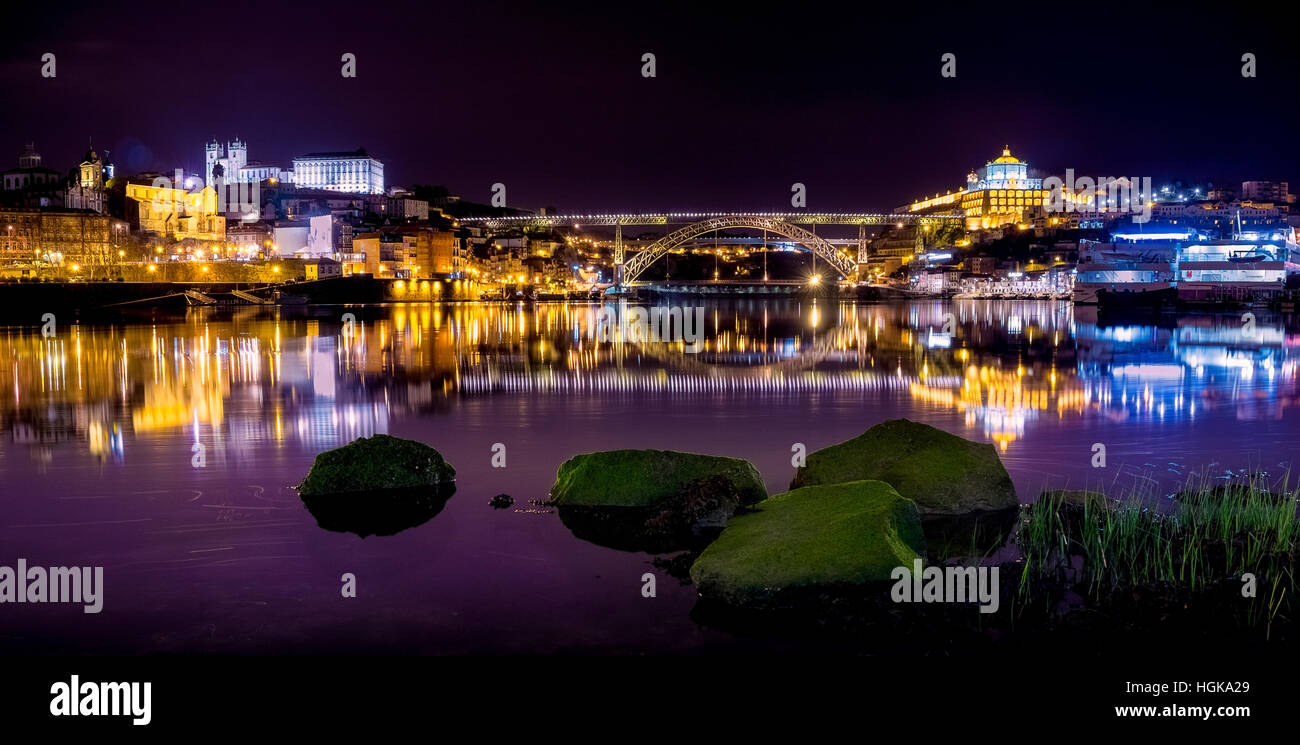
column 809, row 240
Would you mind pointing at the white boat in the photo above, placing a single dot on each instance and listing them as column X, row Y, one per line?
column 1133, row 271
column 1250, row 267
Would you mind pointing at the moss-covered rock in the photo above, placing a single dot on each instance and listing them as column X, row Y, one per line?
column 379, row 485
column 642, row 478
column 943, row 473
column 816, row 538
column 376, row 463
column 652, row 500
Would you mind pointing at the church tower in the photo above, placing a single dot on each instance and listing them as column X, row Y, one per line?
column 236, row 159
column 213, row 156
column 92, row 169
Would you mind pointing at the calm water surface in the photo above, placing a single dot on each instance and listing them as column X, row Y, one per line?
column 99, row 426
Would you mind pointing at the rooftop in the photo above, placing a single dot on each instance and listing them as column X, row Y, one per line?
column 358, row 153
column 1007, row 157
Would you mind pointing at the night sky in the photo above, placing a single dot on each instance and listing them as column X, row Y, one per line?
column 550, row 101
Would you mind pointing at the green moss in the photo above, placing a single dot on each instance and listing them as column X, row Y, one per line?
column 944, row 474
column 814, row 537
column 376, row 463
column 642, row 478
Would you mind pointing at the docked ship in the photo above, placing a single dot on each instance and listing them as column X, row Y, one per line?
column 1135, row 270
column 1249, row 268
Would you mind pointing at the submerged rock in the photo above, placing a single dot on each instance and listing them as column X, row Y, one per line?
column 501, row 501
column 943, row 473
column 379, row 485
column 813, row 539
column 652, row 500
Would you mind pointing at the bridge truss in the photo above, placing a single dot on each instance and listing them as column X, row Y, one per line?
column 782, row 223
column 819, row 246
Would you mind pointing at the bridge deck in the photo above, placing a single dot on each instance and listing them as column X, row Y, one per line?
column 662, row 218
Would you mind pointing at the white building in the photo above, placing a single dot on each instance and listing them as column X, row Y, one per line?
column 257, row 172
column 232, row 158
column 354, row 172
column 235, row 166
column 289, row 237
column 320, row 235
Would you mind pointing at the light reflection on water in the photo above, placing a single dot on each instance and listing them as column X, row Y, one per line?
column 240, row 380
column 98, row 429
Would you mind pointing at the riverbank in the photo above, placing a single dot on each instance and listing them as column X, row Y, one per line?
column 26, row 302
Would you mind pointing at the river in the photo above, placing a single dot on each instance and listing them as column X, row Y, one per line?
column 165, row 450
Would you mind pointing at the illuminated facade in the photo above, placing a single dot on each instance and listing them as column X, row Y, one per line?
column 55, row 236
column 175, row 213
column 86, row 189
column 998, row 194
column 227, row 162
column 413, row 252
column 231, row 162
column 354, row 172
column 1003, row 194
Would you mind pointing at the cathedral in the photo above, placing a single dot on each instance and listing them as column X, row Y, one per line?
column 225, row 162
column 230, row 162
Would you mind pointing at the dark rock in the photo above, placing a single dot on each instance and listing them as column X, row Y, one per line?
column 379, row 485
column 376, row 463
column 943, row 473
column 973, row 535
column 642, row 478
column 652, row 500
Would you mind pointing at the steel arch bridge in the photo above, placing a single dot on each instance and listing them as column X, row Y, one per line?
column 809, row 240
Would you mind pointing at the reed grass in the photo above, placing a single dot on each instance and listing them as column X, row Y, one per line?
column 1209, row 534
